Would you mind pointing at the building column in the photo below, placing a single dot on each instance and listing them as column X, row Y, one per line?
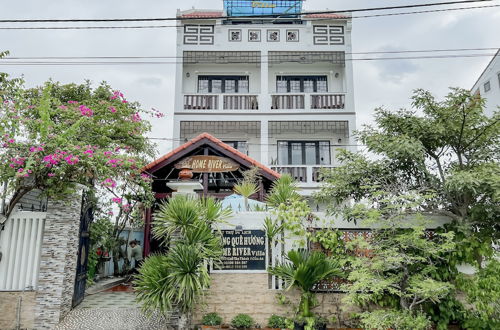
column 59, row 254
column 264, row 142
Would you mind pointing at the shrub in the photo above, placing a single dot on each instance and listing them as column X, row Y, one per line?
column 211, row 319
column 276, row 321
column 242, row 321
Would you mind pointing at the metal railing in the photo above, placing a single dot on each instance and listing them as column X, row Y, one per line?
column 201, row 102
column 241, row 102
column 302, row 173
column 308, row 101
column 327, row 101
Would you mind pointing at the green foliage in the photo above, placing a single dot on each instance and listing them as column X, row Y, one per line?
column 392, row 319
column 402, row 270
column 211, row 319
column 272, row 228
column 483, row 297
column 185, row 224
column 332, row 241
column 283, row 191
column 248, row 186
column 100, row 238
column 303, row 270
column 56, row 136
column 242, row 321
column 276, row 321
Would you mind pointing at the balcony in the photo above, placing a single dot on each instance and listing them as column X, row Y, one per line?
column 306, row 174
column 229, row 102
column 302, row 101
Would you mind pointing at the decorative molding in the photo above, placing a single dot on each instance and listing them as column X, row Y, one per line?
column 292, row 35
column 273, row 35
column 254, row 35
column 198, row 34
column 328, row 35
column 234, row 35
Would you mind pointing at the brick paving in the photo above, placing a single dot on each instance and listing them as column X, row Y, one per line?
column 110, row 310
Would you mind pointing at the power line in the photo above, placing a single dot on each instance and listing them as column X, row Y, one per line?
column 88, row 63
column 180, row 57
column 239, row 17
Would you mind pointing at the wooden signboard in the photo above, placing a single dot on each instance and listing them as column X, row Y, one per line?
column 243, row 250
column 207, row 164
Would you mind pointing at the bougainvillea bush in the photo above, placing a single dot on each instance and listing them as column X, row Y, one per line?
column 57, row 136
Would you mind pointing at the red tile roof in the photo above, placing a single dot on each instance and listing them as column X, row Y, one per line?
column 219, row 143
column 325, row 16
column 202, row 14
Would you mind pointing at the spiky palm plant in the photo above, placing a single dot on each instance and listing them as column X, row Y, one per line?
column 303, row 270
column 179, row 278
column 246, row 189
column 283, row 191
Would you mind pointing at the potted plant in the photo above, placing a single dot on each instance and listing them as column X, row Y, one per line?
column 242, row 321
column 211, row 321
column 303, row 270
column 276, row 322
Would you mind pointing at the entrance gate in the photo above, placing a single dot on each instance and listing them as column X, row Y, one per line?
column 86, row 218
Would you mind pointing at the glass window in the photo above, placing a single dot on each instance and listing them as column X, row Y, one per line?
column 241, row 146
column 487, row 86
column 283, row 152
column 301, row 84
column 230, row 86
column 223, row 84
column 243, row 86
column 304, row 153
column 308, row 85
column 203, row 86
column 216, row 86
column 281, row 86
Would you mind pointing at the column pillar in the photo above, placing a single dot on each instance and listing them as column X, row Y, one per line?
column 59, row 254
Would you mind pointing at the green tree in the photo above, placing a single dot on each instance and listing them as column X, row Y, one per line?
column 448, row 148
column 56, row 136
column 178, row 279
column 438, row 160
column 303, row 270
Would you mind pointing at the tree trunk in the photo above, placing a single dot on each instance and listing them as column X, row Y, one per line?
column 184, row 321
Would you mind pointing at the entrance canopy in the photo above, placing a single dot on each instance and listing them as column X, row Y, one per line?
column 216, row 165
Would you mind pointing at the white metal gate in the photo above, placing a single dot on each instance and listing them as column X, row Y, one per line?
column 20, row 244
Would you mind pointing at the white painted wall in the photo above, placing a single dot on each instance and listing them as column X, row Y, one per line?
column 492, row 75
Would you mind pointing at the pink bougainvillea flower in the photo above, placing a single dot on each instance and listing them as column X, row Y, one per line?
column 116, row 200
column 73, row 102
column 89, row 152
column 51, row 174
column 85, row 111
column 109, row 183
column 72, row 160
column 136, row 117
column 63, row 107
column 112, row 109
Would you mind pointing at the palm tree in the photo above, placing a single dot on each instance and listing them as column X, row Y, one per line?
column 246, row 189
column 284, row 191
column 177, row 280
column 303, row 270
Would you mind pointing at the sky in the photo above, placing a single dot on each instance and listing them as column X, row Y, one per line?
column 387, row 83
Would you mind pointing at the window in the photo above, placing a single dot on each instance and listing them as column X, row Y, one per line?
column 223, row 84
column 241, row 146
column 301, row 84
column 487, row 86
column 304, row 152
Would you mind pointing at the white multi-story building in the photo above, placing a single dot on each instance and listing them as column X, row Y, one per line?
column 488, row 85
column 279, row 89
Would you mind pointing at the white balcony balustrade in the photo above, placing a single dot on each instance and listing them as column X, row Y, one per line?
column 305, row 174
column 289, row 101
column 229, row 102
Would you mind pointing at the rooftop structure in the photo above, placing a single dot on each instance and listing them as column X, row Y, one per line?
column 488, row 85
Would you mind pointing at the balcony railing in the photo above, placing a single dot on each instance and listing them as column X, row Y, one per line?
column 307, row 101
column 241, row 102
column 327, row 101
column 309, row 174
column 229, row 102
column 287, row 101
column 201, row 102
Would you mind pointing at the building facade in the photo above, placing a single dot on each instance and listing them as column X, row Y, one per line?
column 279, row 89
column 488, row 85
